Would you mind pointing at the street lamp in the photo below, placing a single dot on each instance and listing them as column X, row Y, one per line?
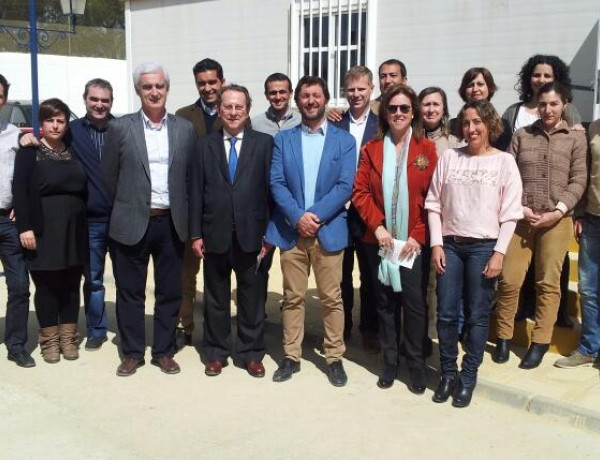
column 42, row 39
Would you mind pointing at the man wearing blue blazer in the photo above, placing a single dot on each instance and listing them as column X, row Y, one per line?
column 312, row 173
column 360, row 121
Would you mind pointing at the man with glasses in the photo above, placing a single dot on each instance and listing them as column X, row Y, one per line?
column 229, row 208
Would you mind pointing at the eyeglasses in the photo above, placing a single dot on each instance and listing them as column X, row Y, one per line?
column 404, row 108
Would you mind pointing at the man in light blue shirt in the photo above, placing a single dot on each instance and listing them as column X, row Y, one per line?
column 312, row 173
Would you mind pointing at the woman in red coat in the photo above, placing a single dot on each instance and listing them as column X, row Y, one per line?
column 389, row 194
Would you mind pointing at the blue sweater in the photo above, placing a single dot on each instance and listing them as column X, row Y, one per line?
column 98, row 203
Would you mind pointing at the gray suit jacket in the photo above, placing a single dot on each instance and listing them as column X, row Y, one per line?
column 126, row 175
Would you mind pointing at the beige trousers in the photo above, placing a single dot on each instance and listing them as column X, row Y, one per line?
column 547, row 247
column 295, row 268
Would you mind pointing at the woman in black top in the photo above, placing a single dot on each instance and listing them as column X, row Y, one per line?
column 49, row 199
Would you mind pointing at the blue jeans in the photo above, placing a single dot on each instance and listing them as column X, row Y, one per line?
column 589, row 285
column 464, row 280
column 17, row 283
column 93, row 286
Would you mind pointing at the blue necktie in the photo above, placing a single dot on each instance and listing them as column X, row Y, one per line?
column 232, row 158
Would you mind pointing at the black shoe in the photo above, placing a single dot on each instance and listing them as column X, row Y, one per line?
column 444, row 389
column 388, row 375
column 21, row 358
column 94, row 343
column 502, row 351
column 417, row 383
column 336, row 374
column 285, row 370
column 534, row 355
column 461, row 397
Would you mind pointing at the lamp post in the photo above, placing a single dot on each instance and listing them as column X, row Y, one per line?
column 37, row 39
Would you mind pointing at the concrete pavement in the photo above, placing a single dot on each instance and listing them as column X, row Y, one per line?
column 81, row 409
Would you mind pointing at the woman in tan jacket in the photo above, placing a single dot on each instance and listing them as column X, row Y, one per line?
column 552, row 161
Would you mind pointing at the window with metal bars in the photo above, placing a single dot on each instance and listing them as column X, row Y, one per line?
column 328, row 37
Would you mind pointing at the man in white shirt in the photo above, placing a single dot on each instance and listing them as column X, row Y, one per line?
column 361, row 122
column 13, row 261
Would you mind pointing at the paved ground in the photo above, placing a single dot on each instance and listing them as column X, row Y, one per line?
column 81, row 409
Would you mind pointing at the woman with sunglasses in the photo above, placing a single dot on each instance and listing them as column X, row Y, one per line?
column 552, row 161
column 389, row 194
column 474, row 203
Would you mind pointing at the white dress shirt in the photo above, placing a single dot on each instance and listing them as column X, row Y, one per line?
column 357, row 129
column 227, row 143
column 157, row 145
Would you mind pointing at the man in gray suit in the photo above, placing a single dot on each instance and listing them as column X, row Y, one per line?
column 144, row 167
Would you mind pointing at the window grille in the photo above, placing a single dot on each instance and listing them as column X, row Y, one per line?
column 330, row 36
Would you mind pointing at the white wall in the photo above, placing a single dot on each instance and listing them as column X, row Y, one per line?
column 65, row 77
column 249, row 38
column 437, row 39
column 440, row 40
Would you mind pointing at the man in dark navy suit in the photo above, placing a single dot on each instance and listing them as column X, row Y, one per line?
column 360, row 121
column 229, row 209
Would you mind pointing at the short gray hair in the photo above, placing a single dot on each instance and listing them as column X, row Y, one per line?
column 149, row 67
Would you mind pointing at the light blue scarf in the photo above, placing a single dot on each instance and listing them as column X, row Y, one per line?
column 395, row 201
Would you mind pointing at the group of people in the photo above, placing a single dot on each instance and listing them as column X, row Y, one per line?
column 466, row 205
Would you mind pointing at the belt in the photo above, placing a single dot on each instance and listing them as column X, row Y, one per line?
column 5, row 212
column 159, row 212
column 468, row 239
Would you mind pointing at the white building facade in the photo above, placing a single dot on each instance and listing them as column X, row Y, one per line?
column 437, row 40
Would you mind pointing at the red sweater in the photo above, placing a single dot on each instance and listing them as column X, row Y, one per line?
column 367, row 195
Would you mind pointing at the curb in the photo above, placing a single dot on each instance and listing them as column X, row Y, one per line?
column 578, row 417
column 575, row 416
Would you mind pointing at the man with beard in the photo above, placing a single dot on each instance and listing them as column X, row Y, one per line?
column 312, row 173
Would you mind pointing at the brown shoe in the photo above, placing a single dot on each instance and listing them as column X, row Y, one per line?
column 214, row 368
column 166, row 364
column 129, row 366
column 69, row 341
column 48, row 340
column 255, row 369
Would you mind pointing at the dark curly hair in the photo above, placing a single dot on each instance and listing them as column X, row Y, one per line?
column 560, row 69
column 488, row 115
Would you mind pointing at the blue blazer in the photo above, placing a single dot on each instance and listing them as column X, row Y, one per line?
column 334, row 186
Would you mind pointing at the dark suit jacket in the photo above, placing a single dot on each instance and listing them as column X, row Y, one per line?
column 195, row 115
column 217, row 206
column 126, row 175
column 370, row 129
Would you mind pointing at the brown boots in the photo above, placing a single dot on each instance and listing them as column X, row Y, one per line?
column 59, row 339
column 69, row 341
column 48, row 340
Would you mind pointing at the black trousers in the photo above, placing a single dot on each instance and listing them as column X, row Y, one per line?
column 368, row 300
column 130, row 266
column 410, row 303
column 251, row 292
column 57, row 295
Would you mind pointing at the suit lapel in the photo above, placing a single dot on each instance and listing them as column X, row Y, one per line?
column 171, row 128
column 296, row 141
column 370, row 129
column 137, row 131
column 217, row 148
column 245, row 154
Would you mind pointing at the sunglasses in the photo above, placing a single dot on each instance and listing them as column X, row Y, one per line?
column 404, row 108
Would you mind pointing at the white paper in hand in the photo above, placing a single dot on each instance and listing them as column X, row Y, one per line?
column 393, row 255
